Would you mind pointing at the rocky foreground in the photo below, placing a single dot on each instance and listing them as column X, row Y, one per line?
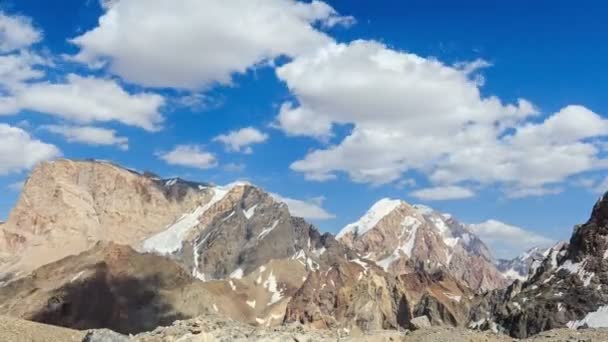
column 210, row 329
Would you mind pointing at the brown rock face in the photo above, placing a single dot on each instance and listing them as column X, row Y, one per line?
column 67, row 206
column 350, row 294
column 400, row 237
column 356, row 294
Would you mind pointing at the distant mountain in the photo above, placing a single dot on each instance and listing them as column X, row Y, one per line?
column 402, row 238
column 568, row 289
column 523, row 265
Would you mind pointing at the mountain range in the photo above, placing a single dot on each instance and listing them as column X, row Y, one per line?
column 93, row 245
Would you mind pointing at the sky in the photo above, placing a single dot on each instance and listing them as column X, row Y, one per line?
column 494, row 112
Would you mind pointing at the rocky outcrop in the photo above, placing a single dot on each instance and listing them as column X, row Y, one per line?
column 567, row 290
column 351, row 294
column 400, row 237
column 67, row 206
column 357, row 294
column 438, row 296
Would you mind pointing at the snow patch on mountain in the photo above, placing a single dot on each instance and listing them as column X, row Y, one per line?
column 267, row 230
column 596, row 319
column 249, row 212
column 368, row 221
column 170, row 240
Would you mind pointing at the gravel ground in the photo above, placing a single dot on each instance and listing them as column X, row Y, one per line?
column 203, row 330
column 16, row 330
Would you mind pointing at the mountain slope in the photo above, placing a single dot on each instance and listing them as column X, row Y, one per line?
column 238, row 230
column 567, row 290
column 401, row 237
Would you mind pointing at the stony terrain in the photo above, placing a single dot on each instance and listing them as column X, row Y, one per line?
column 212, row 329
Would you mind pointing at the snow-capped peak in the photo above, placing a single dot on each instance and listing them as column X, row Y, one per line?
column 368, row 221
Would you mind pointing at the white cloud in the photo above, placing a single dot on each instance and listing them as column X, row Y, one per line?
column 89, row 99
column 17, row 68
column 443, row 193
column 241, row 140
column 19, row 151
column 199, row 43
column 532, row 192
column 190, row 156
column 17, row 32
column 411, row 113
column 90, row 135
column 507, row 241
column 310, row 210
column 16, row 186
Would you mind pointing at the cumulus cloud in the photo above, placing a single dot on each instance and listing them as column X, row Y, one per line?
column 201, row 42
column 507, row 241
column 19, row 151
column 90, row 135
column 411, row 113
column 189, row 156
column 443, row 193
column 240, row 140
column 89, row 99
column 311, row 209
column 17, row 32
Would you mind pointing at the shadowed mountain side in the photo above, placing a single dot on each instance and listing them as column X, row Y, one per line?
column 110, row 286
column 128, row 305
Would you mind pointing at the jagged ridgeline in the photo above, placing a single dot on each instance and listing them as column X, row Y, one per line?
column 91, row 244
column 567, row 289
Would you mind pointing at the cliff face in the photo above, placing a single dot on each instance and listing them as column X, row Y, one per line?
column 67, row 206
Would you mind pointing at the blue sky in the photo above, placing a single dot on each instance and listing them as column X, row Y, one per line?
column 341, row 78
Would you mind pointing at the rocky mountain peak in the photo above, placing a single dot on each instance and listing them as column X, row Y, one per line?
column 399, row 236
column 591, row 238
